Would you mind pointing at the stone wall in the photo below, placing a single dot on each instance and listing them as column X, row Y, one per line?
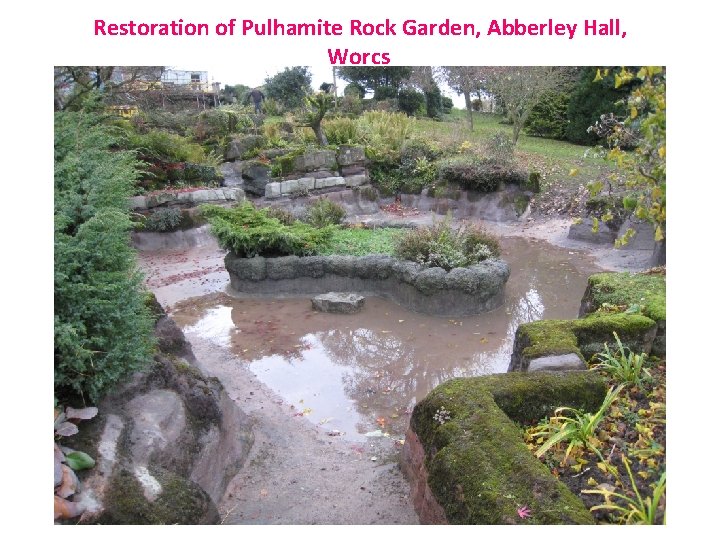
column 321, row 169
column 461, row 291
column 466, row 459
column 186, row 198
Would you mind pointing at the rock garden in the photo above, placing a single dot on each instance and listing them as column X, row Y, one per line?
column 338, row 309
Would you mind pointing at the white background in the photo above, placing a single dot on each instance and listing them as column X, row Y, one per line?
column 36, row 37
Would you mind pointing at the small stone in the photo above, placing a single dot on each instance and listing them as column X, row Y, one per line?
column 560, row 362
column 335, row 302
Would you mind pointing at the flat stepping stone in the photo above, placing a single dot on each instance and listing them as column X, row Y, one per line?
column 335, row 302
column 560, row 362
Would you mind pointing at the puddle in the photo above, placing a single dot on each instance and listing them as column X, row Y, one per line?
column 362, row 373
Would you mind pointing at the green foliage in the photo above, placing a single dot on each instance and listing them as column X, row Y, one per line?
column 283, row 216
column 442, row 246
column 549, row 117
column 102, row 327
column 289, row 87
column 324, row 212
column 478, row 174
column 214, row 126
column 341, row 130
column 383, row 93
column 248, row 232
column 160, row 145
column 433, row 102
column 354, row 89
column 316, row 107
column 578, row 429
column 375, row 77
column 410, row 101
column 499, row 147
column 163, row 220
column 272, row 107
column 447, row 104
column 623, row 365
column 384, row 134
column 633, row 509
column 360, row 241
column 642, row 169
column 590, row 98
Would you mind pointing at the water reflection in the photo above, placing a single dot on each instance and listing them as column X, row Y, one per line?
column 363, row 372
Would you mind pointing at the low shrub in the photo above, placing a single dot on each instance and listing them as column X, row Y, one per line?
column 324, row 212
column 162, row 145
column 284, row 216
column 499, row 147
column 442, row 246
column 163, row 220
column 340, row 131
column 484, row 175
column 384, row 134
column 248, row 231
column 103, row 331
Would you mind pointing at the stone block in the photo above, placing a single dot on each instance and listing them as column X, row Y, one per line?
column 138, row 202
column 273, row 189
column 559, row 362
column 306, row 183
column 312, row 161
column 356, row 180
column 321, row 174
column 289, row 186
column 352, row 170
column 349, row 155
column 334, row 302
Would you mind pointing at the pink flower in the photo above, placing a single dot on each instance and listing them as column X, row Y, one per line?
column 524, row 512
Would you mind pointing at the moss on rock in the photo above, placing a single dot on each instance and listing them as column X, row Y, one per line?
column 625, row 289
column 583, row 337
column 480, row 470
column 180, row 502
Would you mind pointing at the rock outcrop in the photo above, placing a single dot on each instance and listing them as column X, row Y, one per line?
column 166, row 443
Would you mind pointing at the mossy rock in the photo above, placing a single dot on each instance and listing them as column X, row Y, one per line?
column 625, row 289
column 180, row 502
column 479, row 469
column 584, row 337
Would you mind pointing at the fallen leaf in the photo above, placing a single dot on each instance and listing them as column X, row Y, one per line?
column 523, row 512
column 66, row 509
column 66, row 429
column 68, row 484
column 81, row 414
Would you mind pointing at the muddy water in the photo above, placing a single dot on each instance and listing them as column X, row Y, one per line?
column 357, row 374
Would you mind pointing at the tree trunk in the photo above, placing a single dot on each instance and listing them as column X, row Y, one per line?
column 319, row 134
column 468, row 106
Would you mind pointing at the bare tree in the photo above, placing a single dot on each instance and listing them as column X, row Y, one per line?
column 73, row 83
column 464, row 80
column 521, row 87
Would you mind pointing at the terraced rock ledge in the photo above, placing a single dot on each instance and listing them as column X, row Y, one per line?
column 458, row 292
column 465, row 457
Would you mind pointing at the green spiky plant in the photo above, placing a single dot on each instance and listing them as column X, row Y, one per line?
column 577, row 428
column 632, row 509
column 623, row 365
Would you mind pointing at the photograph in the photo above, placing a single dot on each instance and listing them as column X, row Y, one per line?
column 376, row 294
